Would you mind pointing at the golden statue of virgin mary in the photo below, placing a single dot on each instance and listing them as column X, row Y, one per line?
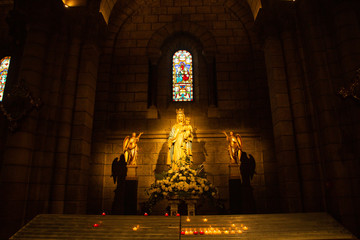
column 179, row 141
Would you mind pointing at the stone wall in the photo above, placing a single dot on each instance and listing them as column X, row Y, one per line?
column 229, row 86
column 209, row 149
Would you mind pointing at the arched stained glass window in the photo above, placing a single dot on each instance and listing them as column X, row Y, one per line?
column 182, row 76
column 4, row 68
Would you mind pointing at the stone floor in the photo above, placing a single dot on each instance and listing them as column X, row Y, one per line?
column 259, row 226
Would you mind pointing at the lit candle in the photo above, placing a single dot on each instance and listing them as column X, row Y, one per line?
column 183, row 232
column 178, row 214
column 245, row 228
column 96, row 225
column 239, row 231
column 232, row 231
column 201, row 232
column 166, row 214
column 226, row 232
column 195, row 232
column 135, row 228
column 145, row 214
column 205, row 219
column 103, row 214
column 188, row 219
column 233, row 225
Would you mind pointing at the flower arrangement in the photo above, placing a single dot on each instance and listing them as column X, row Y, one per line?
column 186, row 183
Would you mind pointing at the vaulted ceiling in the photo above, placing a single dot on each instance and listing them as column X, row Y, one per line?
column 106, row 6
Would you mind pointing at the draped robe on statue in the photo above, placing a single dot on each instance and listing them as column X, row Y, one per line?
column 176, row 146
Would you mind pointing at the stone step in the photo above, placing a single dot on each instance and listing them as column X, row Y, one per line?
column 259, row 226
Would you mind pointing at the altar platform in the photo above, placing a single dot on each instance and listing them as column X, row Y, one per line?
column 256, row 226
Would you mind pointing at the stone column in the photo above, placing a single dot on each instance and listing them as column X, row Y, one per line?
column 81, row 132
column 309, row 169
column 18, row 156
column 283, row 126
column 64, row 131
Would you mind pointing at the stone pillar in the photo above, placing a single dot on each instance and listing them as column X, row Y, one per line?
column 309, row 169
column 18, row 157
column 66, row 118
column 81, row 133
column 234, row 171
column 283, row 127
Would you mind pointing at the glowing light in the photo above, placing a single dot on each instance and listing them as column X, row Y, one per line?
column 178, row 214
column 182, row 76
column 103, row 214
column 245, row 228
column 188, row 219
column 146, row 214
column 166, row 214
column 205, row 220
column 135, row 228
column 96, row 225
column 4, row 68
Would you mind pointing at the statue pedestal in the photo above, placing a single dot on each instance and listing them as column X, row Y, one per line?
column 131, row 172
column 234, row 171
column 175, row 201
column 174, row 206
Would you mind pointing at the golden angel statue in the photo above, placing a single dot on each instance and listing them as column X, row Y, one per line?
column 235, row 147
column 130, row 148
column 180, row 141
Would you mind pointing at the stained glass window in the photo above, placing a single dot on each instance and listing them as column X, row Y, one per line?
column 4, row 67
column 182, row 76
